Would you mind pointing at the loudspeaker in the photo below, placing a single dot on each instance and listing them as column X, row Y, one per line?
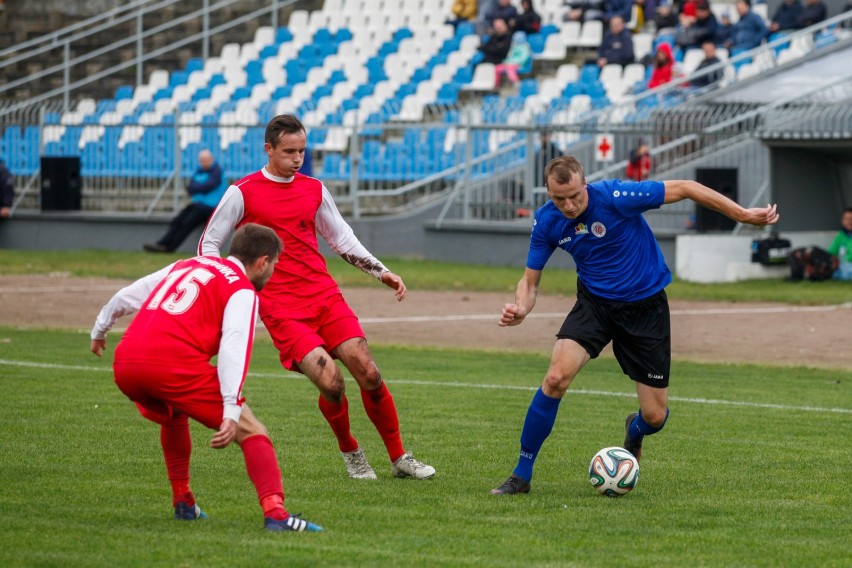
column 723, row 180
column 60, row 183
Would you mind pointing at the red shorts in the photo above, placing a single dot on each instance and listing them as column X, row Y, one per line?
column 161, row 391
column 325, row 324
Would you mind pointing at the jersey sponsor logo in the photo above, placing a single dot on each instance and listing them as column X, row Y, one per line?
column 565, row 240
column 581, row 229
column 598, row 229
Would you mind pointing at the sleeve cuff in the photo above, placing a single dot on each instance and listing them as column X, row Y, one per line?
column 233, row 412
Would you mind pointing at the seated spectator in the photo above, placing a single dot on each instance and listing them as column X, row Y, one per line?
column 206, row 188
column 813, row 12
column 620, row 8
column 617, row 44
column 463, row 11
column 638, row 16
column 663, row 66
column 639, row 165
column 749, row 31
column 710, row 58
column 529, row 21
column 584, row 10
column 723, row 32
column 519, row 55
column 502, row 10
column 695, row 30
column 665, row 18
column 496, row 48
column 786, row 16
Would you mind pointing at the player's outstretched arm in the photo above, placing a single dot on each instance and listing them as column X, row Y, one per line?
column 677, row 190
column 391, row 280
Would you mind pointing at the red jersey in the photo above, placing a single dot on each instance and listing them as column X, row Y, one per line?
column 297, row 209
column 189, row 312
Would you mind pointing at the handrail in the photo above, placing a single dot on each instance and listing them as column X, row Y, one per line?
column 53, row 37
column 201, row 12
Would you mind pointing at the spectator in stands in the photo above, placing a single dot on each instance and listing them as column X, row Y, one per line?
column 617, row 44
column 206, row 188
column 786, row 16
column 695, row 30
column 584, row 10
column 663, row 66
column 665, row 18
column 813, row 12
column 463, row 11
column 519, row 55
column 7, row 191
column 749, row 31
column 529, row 21
column 620, row 8
column 710, row 58
column 723, row 32
column 499, row 42
column 502, row 10
column 639, row 165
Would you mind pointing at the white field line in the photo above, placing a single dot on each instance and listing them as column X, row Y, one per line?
column 297, row 376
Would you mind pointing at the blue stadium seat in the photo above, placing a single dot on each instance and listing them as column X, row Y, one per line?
column 124, row 92
column 283, row 35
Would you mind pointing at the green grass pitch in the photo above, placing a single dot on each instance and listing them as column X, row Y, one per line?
column 753, row 469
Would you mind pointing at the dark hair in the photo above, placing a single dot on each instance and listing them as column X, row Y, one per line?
column 252, row 241
column 282, row 124
column 847, row 210
column 562, row 169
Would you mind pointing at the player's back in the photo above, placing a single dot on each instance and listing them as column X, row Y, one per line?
column 180, row 323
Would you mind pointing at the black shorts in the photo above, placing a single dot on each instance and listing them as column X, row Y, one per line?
column 640, row 333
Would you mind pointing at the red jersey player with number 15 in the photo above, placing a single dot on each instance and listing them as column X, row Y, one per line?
column 302, row 306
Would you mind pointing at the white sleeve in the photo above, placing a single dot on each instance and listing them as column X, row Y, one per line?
column 127, row 301
column 226, row 216
column 342, row 240
column 235, row 349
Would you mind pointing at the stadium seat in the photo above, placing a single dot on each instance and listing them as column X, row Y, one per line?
column 483, row 78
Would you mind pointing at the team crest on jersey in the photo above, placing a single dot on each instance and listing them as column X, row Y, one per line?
column 581, row 229
column 598, row 229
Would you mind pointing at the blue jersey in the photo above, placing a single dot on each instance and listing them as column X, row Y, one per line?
column 616, row 254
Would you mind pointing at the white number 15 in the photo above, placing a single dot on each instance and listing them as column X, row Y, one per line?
column 186, row 291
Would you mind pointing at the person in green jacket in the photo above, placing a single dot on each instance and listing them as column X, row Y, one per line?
column 519, row 55
column 841, row 247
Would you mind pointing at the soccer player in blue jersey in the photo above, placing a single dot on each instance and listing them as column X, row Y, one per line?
column 621, row 280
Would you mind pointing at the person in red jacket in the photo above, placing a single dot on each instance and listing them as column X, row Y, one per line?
column 639, row 165
column 663, row 66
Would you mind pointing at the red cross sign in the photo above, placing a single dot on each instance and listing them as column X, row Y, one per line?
column 603, row 148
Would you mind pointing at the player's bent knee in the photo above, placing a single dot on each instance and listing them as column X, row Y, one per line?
column 656, row 418
column 555, row 384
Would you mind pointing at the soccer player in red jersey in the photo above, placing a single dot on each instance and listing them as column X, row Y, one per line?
column 188, row 312
column 302, row 306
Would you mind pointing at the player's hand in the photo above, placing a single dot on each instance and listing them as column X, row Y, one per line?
column 98, row 346
column 761, row 216
column 226, row 434
column 391, row 280
column 512, row 314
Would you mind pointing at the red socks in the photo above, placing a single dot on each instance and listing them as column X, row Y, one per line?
column 177, row 448
column 263, row 470
column 382, row 411
column 337, row 416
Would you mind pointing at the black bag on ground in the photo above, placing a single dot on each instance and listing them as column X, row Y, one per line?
column 813, row 263
column 770, row 251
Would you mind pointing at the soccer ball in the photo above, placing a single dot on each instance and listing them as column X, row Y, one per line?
column 613, row 472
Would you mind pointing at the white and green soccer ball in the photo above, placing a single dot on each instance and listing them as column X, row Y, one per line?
column 613, row 472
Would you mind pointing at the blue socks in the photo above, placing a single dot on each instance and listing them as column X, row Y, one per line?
column 537, row 427
column 639, row 428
